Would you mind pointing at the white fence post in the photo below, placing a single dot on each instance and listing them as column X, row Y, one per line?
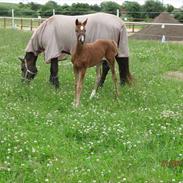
column 163, row 39
column 13, row 18
column 53, row 11
column 117, row 12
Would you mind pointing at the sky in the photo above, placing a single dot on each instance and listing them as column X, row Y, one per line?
column 175, row 3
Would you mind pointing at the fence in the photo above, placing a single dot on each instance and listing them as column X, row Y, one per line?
column 26, row 23
column 20, row 23
column 135, row 25
column 31, row 24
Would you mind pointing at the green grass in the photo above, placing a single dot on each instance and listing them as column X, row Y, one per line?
column 44, row 139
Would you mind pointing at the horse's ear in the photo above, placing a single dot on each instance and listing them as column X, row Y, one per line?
column 77, row 22
column 85, row 22
column 21, row 59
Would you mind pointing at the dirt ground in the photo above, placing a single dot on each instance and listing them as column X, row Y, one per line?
column 155, row 32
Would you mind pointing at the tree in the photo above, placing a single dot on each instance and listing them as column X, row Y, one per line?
column 65, row 9
column 95, row 7
column 47, row 9
column 21, row 5
column 133, row 9
column 5, row 11
column 179, row 15
column 153, row 8
column 29, row 9
column 79, row 8
column 110, row 6
column 169, row 8
column 51, row 4
column 34, row 6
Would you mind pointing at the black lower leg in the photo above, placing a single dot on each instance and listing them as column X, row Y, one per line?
column 54, row 73
column 124, row 72
column 105, row 69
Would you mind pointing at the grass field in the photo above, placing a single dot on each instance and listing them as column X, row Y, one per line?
column 137, row 139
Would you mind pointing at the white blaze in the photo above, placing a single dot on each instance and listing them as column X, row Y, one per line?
column 82, row 38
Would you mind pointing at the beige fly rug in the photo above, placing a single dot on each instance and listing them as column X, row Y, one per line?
column 56, row 35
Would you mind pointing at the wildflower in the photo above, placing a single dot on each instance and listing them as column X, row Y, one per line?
column 33, row 150
column 124, row 179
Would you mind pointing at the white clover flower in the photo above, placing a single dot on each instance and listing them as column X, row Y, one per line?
column 20, row 150
column 124, row 179
column 33, row 150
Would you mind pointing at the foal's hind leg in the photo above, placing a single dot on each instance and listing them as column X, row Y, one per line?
column 97, row 82
column 111, row 63
column 54, row 72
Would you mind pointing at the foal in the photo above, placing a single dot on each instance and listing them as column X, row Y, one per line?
column 88, row 55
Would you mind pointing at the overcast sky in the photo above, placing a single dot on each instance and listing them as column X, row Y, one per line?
column 175, row 3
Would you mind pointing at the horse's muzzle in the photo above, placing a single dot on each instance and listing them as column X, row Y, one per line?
column 82, row 38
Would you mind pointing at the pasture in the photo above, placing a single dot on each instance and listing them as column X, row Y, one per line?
column 135, row 139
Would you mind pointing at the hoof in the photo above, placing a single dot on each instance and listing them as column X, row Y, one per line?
column 101, row 84
column 25, row 81
column 92, row 94
column 75, row 105
column 122, row 82
column 55, row 82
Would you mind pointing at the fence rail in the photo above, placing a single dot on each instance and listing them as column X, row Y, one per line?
column 20, row 23
column 30, row 24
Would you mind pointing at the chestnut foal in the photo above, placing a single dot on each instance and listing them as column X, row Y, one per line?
column 88, row 55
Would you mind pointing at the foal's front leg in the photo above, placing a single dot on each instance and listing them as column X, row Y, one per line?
column 79, row 86
column 54, row 73
column 75, row 83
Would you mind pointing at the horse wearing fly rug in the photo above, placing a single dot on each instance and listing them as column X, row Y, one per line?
column 88, row 55
column 56, row 37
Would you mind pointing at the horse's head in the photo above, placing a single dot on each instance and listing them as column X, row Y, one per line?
column 80, row 30
column 28, row 66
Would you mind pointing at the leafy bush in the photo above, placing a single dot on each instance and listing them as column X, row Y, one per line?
column 179, row 16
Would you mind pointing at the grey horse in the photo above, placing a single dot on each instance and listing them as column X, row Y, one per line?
column 56, row 37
